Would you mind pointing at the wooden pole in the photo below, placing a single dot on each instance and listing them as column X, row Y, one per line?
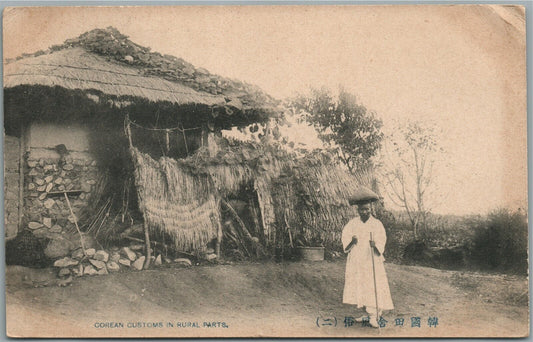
column 145, row 227
column 219, row 241
column 374, row 275
column 147, row 245
column 75, row 223
column 167, row 141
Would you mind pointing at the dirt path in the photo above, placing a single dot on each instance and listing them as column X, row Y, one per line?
column 263, row 299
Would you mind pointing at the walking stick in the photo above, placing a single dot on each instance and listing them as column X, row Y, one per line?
column 374, row 275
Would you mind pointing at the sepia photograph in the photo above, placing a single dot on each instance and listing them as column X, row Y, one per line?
column 265, row 171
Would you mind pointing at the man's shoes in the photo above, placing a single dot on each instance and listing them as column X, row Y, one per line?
column 373, row 322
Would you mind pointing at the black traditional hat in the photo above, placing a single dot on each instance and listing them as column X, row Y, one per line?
column 363, row 195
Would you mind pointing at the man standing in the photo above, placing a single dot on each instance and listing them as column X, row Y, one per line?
column 362, row 236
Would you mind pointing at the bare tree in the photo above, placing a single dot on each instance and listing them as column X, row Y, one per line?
column 412, row 152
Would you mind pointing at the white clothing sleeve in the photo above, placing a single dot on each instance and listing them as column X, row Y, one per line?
column 347, row 234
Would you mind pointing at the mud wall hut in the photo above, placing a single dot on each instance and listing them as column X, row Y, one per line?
column 65, row 110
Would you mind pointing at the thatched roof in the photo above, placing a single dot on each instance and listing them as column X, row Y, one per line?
column 106, row 61
column 76, row 68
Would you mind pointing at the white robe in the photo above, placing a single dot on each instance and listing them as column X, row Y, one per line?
column 359, row 281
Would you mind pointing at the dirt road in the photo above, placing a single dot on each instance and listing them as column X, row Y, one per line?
column 297, row 299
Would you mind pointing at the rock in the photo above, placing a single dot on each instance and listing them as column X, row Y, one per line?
column 90, row 252
column 158, row 260
column 31, row 186
column 64, row 272
column 128, row 59
column 48, row 179
column 113, row 266
column 43, row 196
column 125, row 262
column 49, row 187
column 62, row 188
column 35, row 225
column 33, row 172
column 89, row 270
column 78, row 271
column 128, row 253
column 85, row 187
column 102, row 271
column 68, row 167
column 183, row 261
column 65, row 262
column 139, row 263
column 67, row 180
column 101, row 255
column 58, row 248
column 49, row 167
column 97, row 263
column 42, row 162
column 136, row 247
column 49, row 203
column 39, row 181
column 58, row 180
column 78, row 254
column 82, row 195
column 34, row 217
column 56, row 228
column 47, row 222
column 167, row 260
column 115, row 257
column 88, row 241
column 209, row 251
column 41, row 188
column 91, row 182
column 32, row 163
column 41, row 233
column 210, row 257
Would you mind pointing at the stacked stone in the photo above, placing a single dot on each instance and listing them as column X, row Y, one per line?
column 47, row 215
column 101, row 262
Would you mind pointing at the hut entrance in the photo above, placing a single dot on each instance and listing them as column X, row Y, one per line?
column 242, row 228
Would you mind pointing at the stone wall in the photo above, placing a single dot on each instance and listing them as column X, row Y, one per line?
column 47, row 214
column 11, row 185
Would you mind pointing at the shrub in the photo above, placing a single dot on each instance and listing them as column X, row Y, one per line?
column 501, row 242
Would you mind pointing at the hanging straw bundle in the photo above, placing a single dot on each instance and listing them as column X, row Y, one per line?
column 175, row 202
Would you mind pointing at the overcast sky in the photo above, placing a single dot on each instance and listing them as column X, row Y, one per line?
column 462, row 67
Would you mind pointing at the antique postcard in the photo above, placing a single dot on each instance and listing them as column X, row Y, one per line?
column 266, row 171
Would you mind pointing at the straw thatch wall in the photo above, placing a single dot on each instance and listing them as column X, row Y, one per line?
column 312, row 203
column 302, row 201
